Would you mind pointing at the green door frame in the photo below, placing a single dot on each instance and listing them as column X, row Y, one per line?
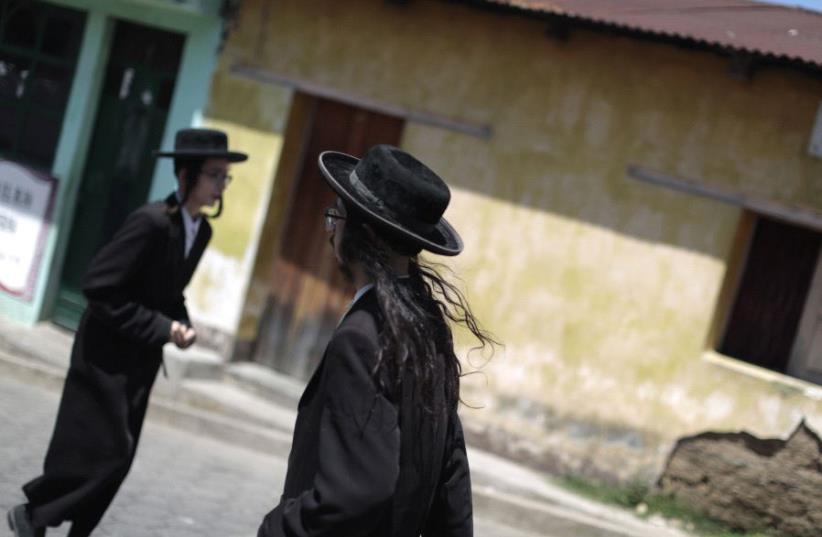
column 200, row 22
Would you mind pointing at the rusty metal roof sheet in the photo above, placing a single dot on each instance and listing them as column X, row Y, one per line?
column 787, row 33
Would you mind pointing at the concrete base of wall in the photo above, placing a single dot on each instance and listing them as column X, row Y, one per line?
column 534, row 434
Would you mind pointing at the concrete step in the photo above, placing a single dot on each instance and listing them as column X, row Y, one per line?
column 44, row 343
column 526, row 499
column 193, row 363
column 216, row 424
column 265, row 382
column 266, row 440
column 234, row 402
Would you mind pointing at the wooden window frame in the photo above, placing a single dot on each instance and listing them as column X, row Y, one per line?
column 791, row 353
column 799, row 367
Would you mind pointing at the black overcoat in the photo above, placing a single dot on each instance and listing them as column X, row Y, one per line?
column 134, row 286
column 368, row 464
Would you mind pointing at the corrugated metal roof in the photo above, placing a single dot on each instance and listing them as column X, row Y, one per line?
column 776, row 31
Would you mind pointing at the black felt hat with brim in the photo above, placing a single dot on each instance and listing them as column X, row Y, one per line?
column 397, row 192
column 202, row 143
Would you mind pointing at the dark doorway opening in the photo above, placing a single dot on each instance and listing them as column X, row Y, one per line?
column 131, row 117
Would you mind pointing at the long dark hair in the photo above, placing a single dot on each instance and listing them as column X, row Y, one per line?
column 416, row 338
column 194, row 168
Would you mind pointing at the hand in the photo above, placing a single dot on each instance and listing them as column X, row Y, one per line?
column 181, row 335
column 188, row 337
column 176, row 333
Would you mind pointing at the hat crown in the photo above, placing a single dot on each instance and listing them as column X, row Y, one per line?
column 200, row 139
column 395, row 191
column 400, row 187
column 202, row 143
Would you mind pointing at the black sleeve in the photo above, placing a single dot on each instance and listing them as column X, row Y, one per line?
column 181, row 312
column 452, row 510
column 359, row 446
column 108, row 283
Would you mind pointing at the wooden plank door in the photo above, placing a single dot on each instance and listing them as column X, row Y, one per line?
column 307, row 291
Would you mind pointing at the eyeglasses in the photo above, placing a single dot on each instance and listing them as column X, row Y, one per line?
column 332, row 214
column 218, row 177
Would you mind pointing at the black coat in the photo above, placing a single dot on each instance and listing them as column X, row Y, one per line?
column 367, row 464
column 134, row 286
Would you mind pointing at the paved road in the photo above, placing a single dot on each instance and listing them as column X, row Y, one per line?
column 181, row 484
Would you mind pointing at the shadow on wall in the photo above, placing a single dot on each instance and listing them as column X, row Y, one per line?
column 555, row 172
column 609, row 199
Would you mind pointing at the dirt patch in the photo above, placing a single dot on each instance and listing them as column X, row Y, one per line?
column 750, row 483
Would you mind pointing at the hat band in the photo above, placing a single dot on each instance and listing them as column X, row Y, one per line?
column 364, row 191
column 414, row 224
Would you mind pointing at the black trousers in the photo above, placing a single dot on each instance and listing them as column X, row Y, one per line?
column 95, row 437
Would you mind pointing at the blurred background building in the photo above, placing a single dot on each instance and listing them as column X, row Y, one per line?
column 638, row 184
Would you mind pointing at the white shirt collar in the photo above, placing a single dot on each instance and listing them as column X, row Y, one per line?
column 358, row 295
column 190, row 225
column 360, row 292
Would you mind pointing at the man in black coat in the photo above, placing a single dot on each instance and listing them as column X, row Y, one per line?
column 378, row 447
column 134, row 288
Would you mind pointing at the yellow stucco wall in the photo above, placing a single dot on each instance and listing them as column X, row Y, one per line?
column 252, row 115
column 602, row 288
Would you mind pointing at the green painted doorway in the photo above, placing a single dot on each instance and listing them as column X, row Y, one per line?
column 131, row 117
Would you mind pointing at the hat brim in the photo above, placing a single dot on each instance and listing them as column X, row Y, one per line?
column 231, row 156
column 336, row 167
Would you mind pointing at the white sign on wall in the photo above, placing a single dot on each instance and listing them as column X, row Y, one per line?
column 26, row 200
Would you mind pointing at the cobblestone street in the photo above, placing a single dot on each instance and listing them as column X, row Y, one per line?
column 180, row 485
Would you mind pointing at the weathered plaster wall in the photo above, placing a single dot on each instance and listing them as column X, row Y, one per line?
column 252, row 116
column 602, row 288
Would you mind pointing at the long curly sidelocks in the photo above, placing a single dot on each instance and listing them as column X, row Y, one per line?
column 416, row 334
column 193, row 167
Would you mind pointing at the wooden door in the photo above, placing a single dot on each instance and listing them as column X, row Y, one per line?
column 131, row 118
column 307, row 291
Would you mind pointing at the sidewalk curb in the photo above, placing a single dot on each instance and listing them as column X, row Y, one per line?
column 264, row 440
column 521, row 511
column 162, row 410
column 532, row 515
column 32, row 372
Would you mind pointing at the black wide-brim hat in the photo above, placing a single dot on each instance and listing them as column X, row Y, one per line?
column 397, row 192
column 202, row 143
